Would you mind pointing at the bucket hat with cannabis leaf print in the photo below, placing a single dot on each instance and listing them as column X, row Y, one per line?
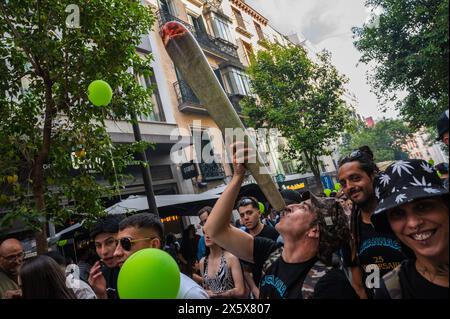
column 403, row 182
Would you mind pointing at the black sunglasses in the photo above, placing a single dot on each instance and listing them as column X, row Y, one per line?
column 127, row 243
column 354, row 155
column 246, row 201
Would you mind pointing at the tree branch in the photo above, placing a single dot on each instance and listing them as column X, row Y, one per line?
column 17, row 34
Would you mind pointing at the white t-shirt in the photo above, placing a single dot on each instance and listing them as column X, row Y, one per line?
column 189, row 289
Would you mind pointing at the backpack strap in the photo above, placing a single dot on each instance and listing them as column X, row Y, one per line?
column 317, row 271
column 392, row 283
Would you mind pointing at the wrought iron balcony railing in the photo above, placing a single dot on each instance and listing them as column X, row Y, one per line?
column 188, row 101
column 185, row 95
column 219, row 46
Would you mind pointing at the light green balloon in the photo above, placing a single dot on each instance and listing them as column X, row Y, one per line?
column 337, row 187
column 327, row 192
column 100, row 93
column 262, row 209
column 149, row 274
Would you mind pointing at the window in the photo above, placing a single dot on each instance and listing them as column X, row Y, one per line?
column 157, row 113
column 248, row 51
column 169, row 6
column 160, row 173
column 239, row 19
column 259, row 32
column 236, row 81
column 221, row 29
column 197, row 22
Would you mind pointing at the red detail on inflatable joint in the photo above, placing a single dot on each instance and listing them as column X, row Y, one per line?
column 172, row 30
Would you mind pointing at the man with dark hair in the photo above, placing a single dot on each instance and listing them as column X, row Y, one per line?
column 442, row 128
column 141, row 231
column 103, row 274
column 368, row 251
column 11, row 258
column 250, row 213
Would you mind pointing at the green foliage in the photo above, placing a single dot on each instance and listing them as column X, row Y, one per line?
column 299, row 97
column 48, row 127
column 409, row 50
column 384, row 139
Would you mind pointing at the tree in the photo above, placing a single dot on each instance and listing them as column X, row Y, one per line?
column 384, row 139
column 300, row 98
column 409, row 51
column 48, row 127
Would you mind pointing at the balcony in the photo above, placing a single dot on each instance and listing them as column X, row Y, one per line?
column 217, row 46
column 188, row 101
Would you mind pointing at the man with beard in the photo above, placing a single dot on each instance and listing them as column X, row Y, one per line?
column 370, row 254
column 11, row 258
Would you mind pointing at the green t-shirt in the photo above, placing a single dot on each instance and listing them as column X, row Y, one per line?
column 6, row 284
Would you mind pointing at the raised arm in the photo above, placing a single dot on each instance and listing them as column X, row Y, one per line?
column 218, row 225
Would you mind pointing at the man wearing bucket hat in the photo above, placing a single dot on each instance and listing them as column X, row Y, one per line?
column 304, row 268
column 413, row 205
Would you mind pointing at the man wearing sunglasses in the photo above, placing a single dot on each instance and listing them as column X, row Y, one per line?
column 11, row 258
column 103, row 274
column 368, row 247
column 141, row 231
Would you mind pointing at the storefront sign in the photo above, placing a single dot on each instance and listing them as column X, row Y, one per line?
column 189, row 170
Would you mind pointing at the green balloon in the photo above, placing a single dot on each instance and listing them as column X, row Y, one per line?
column 327, row 192
column 261, row 207
column 100, row 93
column 149, row 274
column 337, row 187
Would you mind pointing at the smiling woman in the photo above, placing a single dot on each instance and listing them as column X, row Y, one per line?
column 413, row 204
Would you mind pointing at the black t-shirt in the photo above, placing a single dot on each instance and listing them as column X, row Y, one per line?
column 413, row 285
column 284, row 280
column 269, row 232
column 111, row 275
column 384, row 250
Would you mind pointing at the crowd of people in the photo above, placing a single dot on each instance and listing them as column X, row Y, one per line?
column 384, row 235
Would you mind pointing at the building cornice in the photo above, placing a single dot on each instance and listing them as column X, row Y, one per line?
column 198, row 3
column 246, row 8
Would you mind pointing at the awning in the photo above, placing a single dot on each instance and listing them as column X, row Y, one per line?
column 182, row 205
column 139, row 202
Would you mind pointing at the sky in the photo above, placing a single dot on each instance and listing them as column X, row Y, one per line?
column 327, row 24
